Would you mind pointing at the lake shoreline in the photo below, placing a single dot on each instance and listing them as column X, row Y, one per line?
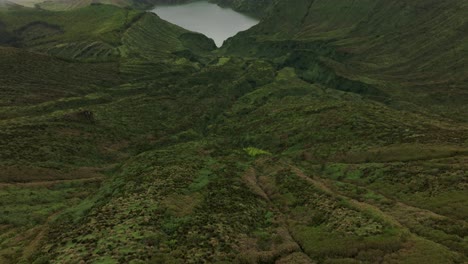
column 214, row 21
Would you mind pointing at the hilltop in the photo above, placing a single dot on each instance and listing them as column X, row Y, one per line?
column 331, row 132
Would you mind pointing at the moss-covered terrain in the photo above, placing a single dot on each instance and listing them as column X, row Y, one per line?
column 332, row 132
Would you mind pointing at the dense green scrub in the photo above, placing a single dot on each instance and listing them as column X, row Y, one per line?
column 307, row 139
column 409, row 52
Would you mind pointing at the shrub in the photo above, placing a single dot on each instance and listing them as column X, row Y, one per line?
column 254, row 152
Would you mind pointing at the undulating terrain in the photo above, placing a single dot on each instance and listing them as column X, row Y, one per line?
column 334, row 131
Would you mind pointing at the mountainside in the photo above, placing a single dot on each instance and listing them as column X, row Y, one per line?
column 7, row 4
column 63, row 5
column 332, row 132
column 74, row 4
column 254, row 8
column 414, row 52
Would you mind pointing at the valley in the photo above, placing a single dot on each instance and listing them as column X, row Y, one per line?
column 209, row 19
column 315, row 136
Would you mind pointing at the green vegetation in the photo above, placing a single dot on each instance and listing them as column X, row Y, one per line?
column 318, row 136
column 253, row 152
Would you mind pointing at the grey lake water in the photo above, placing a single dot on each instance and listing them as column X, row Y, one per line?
column 209, row 19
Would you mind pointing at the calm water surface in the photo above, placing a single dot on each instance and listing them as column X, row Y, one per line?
column 206, row 18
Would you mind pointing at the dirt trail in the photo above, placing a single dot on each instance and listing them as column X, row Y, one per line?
column 291, row 248
column 35, row 243
column 320, row 184
column 388, row 214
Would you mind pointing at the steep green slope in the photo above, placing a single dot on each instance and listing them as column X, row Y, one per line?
column 37, row 88
column 64, row 5
column 243, row 185
column 415, row 52
column 68, row 35
column 7, row 4
column 29, row 78
column 254, row 8
column 52, row 144
column 257, row 8
column 126, row 139
column 61, row 5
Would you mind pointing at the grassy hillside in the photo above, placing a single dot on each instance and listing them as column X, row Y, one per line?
column 68, row 35
column 314, row 137
column 240, row 180
column 416, row 52
column 7, row 4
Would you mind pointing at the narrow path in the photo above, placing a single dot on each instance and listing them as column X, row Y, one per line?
column 35, row 243
column 388, row 215
column 251, row 178
column 320, row 184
